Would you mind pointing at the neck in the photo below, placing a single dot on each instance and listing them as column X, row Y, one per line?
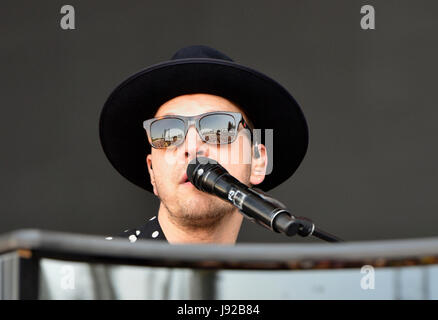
column 224, row 232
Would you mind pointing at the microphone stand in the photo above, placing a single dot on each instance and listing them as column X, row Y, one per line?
column 209, row 176
column 290, row 225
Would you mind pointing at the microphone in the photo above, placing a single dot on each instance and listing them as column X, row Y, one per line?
column 209, row 176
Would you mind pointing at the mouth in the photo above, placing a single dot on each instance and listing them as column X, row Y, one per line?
column 184, row 179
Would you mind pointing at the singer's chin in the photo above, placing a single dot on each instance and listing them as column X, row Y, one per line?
column 202, row 211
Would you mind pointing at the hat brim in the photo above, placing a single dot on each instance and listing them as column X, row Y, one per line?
column 265, row 101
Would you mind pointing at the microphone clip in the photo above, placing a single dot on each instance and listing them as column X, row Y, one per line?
column 284, row 220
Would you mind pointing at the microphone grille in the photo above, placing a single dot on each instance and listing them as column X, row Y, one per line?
column 195, row 164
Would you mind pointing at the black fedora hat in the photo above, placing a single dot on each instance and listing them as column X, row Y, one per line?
column 200, row 69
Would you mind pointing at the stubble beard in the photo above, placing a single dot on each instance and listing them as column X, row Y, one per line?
column 197, row 212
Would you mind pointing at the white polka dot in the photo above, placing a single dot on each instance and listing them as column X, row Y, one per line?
column 152, row 218
column 109, row 238
column 155, row 234
column 132, row 238
column 137, row 232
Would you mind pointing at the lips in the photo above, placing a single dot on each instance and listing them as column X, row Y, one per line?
column 184, row 178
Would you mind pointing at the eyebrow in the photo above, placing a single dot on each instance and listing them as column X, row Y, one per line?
column 167, row 114
column 175, row 114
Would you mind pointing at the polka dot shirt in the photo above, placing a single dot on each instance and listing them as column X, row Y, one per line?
column 150, row 230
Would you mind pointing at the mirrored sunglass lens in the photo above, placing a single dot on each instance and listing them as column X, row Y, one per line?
column 167, row 132
column 218, row 128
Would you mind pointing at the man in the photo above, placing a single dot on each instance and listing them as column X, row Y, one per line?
column 200, row 103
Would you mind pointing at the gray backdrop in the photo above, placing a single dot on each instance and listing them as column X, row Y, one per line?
column 369, row 97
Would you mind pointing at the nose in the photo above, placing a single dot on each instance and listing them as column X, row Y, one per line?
column 194, row 146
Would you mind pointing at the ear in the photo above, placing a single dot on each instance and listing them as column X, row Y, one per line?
column 259, row 163
column 151, row 173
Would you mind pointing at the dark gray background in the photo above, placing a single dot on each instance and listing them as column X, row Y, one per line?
column 369, row 97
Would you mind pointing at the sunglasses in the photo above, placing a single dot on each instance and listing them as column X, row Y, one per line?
column 213, row 127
